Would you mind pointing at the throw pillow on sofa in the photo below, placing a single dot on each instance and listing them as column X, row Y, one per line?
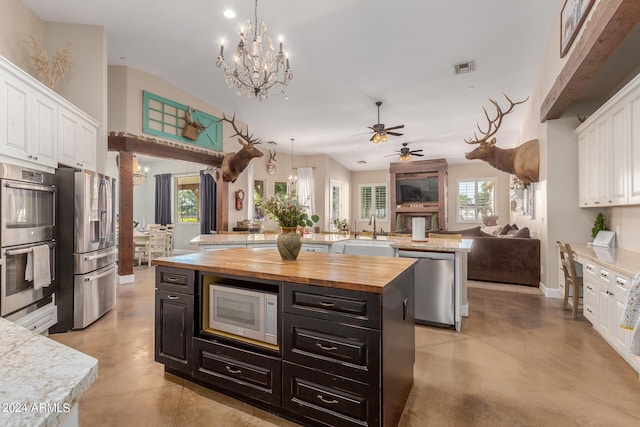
column 505, row 230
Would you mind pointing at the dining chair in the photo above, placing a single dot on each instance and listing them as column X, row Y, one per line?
column 157, row 246
column 572, row 282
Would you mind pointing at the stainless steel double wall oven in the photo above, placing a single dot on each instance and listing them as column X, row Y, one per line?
column 27, row 219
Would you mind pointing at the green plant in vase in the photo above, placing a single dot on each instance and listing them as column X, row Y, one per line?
column 286, row 210
column 598, row 225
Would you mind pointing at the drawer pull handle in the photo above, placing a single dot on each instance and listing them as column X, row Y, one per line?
column 171, row 279
column 172, row 297
column 331, row 402
column 233, row 371
column 327, row 304
column 621, row 282
column 326, row 348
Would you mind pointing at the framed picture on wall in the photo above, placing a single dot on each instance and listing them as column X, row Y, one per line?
column 573, row 14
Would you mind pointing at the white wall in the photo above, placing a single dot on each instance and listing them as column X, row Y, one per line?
column 16, row 22
column 557, row 215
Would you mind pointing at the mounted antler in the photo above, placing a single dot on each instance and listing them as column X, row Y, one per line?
column 234, row 163
column 522, row 161
column 271, row 162
column 494, row 124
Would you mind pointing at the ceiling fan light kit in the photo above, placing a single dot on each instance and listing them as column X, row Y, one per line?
column 406, row 153
column 380, row 132
column 257, row 67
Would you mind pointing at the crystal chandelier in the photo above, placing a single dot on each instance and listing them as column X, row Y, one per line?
column 256, row 67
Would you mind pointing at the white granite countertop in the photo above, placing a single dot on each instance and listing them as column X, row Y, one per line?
column 230, row 239
column 405, row 243
column 40, row 379
column 619, row 260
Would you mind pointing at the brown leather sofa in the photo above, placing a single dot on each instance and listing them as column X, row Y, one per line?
column 502, row 259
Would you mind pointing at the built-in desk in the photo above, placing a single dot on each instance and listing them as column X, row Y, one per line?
column 607, row 275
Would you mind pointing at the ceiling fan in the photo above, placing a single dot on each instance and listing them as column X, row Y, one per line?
column 380, row 132
column 406, row 153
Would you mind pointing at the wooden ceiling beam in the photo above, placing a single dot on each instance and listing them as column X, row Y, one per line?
column 610, row 24
column 164, row 151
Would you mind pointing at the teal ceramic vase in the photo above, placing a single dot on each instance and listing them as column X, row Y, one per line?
column 289, row 243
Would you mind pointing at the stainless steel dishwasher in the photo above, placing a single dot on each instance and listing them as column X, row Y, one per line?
column 434, row 287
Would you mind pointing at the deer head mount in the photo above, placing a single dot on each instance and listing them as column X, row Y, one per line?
column 522, row 161
column 234, row 163
column 271, row 162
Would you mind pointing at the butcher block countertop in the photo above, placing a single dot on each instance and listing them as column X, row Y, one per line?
column 353, row 272
column 40, row 379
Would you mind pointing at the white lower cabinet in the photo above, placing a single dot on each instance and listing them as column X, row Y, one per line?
column 605, row 295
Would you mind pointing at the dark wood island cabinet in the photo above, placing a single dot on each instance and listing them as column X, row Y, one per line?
column 345, row 344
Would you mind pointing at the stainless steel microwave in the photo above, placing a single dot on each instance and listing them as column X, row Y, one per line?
column 244, row 312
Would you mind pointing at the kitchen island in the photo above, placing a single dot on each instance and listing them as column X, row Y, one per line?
column 450, row 289
column 344, row 348
column 41, row 380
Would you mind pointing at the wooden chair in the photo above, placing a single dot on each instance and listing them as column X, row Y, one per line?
column 445, row 236
column 572, row 282
column 169, row 239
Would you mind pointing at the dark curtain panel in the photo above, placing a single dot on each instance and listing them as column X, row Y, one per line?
column 163, row 199
column 207, row 203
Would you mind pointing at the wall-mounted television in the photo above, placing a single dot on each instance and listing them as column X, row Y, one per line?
column 417, row 190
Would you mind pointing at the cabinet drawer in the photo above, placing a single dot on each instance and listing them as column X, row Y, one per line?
column 315, row 248
column 621, row 285
column 348, row 351
column 605, row 276
column 175, row 280
column 244, row 372
column 352, row 307
column 590, row 270
column 329, row 399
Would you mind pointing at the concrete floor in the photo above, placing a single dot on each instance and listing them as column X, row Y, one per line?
column 519, row 361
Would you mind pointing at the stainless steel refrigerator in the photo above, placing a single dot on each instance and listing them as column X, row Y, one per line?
column 86, row 261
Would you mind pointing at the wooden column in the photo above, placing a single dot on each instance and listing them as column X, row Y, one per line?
column 125, row 213
column 222, row 206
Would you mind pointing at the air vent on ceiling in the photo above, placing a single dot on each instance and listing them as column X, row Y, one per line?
column 465, row 67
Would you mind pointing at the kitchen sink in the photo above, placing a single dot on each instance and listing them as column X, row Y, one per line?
column 369, row 247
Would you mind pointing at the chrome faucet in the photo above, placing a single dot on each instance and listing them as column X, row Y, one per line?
column 373, row 218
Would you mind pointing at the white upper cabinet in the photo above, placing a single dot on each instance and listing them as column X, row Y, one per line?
column 39, row 128
column 609, row 151
column 77, row 140
column 633, row 156
column 27, row 122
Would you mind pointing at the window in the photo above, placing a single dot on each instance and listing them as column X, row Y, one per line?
column 373, row 199
column 187, row 198
column 476, row 199
column 258, row 193
column 165, row 118
column 336, row 203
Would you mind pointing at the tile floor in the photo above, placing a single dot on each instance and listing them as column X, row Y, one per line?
column 519, row 361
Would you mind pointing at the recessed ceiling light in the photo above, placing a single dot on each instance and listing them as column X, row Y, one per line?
column 272, row 142
column 286, row 98
column 229, row 14
column 362, row 162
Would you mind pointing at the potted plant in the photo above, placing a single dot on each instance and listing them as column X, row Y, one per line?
column 341, row 225
column 598, row 225
column 286, row 210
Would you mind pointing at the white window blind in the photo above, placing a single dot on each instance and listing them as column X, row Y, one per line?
column 373, row 199
column 476, row 199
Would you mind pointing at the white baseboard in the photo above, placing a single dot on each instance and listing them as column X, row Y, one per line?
column 551, row 292
column 129, row 278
